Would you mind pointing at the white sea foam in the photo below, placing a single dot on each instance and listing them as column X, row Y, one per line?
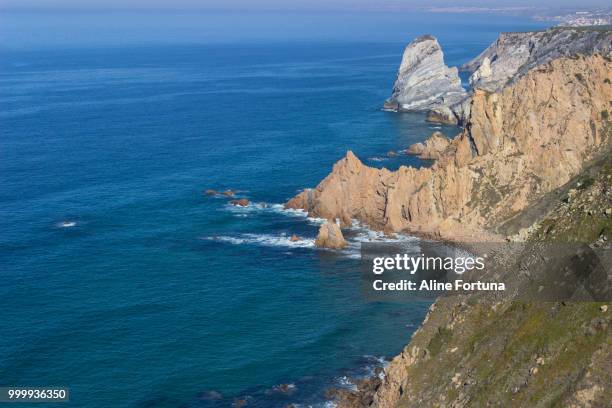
column 67, row 224
column 326, row 404
column 379, row 360
column 378, row 158
column 269, row 240
column 364, row 234
column 357, row 232
column 346, row 383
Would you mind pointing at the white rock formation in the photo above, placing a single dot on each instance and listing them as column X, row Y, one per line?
column 424, row 82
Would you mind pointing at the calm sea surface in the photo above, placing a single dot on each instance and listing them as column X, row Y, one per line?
column 119, row 278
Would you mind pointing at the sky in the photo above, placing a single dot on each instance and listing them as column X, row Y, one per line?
column 284, row 5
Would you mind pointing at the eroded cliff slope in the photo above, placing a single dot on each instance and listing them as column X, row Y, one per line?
column 487, row 350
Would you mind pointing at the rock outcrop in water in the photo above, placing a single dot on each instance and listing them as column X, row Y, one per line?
column 518, row 144
column 433, row 147
column 330, row 236
column 514, row 54
column 424, row 82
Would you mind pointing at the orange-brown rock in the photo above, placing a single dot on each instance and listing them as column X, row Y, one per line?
column 330, row 236
column 243, row 202
column 433, row 147
column 518, row 144
column 229, row 193
column 294, row 238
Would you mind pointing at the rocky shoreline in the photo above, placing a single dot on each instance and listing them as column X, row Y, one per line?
column 535, row 121
column 514, row 148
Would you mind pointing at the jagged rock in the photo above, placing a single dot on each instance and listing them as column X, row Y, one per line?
column 512, row 55
column 443, row 115
column 515, row 147
column 243, row 202
column 416, row 149
column 330, row 236
column 285, row 389
column 424, row 82
column 433, row 147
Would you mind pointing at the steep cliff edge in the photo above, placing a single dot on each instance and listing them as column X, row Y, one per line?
column 519, row 143
column 512, row 55
column 485, row 350
column 423, row 81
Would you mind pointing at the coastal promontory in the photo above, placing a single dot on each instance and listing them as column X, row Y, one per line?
column 519, row 143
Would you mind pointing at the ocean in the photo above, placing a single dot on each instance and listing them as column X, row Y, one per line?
column 121, row 280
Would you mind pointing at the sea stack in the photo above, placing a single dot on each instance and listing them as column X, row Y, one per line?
column 424, row 82
column 330, row 236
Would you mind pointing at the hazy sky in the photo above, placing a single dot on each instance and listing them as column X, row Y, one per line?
column 285, row 5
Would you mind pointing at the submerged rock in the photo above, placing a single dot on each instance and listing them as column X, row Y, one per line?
column 210, row 192
column 243, row 202
column 240, row 403
column 286, row 389
column 211, row 396
column 229, row 193
column 424, row 82
column 330, row 236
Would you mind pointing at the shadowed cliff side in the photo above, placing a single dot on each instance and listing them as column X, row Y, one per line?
column 518, row 144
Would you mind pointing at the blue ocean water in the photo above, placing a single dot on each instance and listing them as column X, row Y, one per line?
column 121, row 280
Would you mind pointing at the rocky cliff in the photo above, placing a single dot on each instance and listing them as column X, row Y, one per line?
column 519, row 143
column 486, row 350
column 514, row 54
column 424, row 82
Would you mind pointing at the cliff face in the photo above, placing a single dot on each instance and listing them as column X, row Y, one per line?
column 424, row 81
column 514, row 54
column 484, row 350
column 519, row 143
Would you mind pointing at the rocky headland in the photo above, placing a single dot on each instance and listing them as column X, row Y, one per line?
column 532, row 165
column 485, row 349
column 519, row 143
